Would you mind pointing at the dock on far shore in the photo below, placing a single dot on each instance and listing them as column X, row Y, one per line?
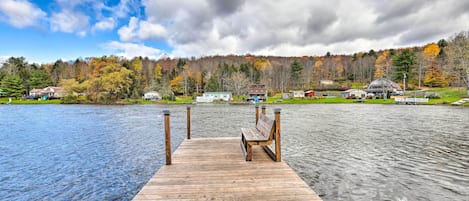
column 215, row 169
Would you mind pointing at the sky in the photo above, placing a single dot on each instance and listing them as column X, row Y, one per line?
column 44, row 31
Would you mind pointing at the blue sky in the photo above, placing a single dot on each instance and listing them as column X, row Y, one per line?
column 45, row 31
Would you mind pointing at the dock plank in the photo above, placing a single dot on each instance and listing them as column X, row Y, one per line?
column 215, row 169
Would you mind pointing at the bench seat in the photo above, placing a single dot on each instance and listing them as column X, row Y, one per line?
column 262, row 134
column 252, row 134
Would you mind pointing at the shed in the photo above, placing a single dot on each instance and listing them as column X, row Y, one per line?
column 309, row 93
column 152, row 95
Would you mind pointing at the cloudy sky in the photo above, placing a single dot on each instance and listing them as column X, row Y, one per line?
column 46, row 30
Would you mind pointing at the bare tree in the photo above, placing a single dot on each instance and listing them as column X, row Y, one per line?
column 458, row 57
column 238, row 83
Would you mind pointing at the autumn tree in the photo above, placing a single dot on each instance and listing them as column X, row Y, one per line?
column 177, row 84
column 382, row 65
column 115, row 81
column 433, row 76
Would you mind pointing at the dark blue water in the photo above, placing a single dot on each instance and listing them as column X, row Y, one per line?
column 344, row 152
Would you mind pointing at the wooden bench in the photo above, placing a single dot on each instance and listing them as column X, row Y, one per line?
column 265, row 132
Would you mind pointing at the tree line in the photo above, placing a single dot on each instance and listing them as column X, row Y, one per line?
column 108, row 79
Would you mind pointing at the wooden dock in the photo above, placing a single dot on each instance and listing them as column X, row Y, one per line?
column 215, row 169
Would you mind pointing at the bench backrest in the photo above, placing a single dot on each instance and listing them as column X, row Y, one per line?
column 266, row 126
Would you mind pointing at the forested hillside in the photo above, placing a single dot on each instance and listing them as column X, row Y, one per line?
column 109, row 78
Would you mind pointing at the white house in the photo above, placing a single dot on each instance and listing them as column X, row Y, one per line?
column 297, row 94
column 50, row 92
column 209, row 97
column 152, row 95
column 356, row 93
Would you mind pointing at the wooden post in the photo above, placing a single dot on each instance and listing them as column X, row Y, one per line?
column 263, row 109
column 167, row 132
column 257, row 113
column 188, row 122
column 278, row 152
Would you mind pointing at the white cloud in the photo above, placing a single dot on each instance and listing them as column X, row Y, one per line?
column 69, row 22
column 138, row 30
column 105, row 24
column 205, row 27
column 131, row 50
column 20, row 13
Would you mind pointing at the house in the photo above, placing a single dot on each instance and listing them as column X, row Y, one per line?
column 55, row 92
column 354, row 93
column 209, row 97
column 47, row 93
column 383, row 87
column 297, row 94
column 152, row 95
column 257, row 90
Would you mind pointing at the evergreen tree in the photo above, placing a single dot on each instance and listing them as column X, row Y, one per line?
column 404, row 63
column 295, row 73
column 39, row 79
column 13, row 86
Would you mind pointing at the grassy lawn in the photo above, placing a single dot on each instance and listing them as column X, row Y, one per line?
column 326, row 100
column 447, row 96
column 4, row 100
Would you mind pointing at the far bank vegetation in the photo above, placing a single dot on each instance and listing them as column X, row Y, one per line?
column 109, row 79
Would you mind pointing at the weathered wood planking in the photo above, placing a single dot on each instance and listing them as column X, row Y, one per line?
column 215, row 169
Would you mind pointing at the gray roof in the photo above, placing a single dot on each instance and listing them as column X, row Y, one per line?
column 383, row 84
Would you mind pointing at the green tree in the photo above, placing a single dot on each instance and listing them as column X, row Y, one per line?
column 212, row 84
column 13, row 86
column 404, row 63
column 295, row 73
column 39, row 79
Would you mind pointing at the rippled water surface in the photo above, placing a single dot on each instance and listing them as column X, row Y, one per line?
column 344, row 152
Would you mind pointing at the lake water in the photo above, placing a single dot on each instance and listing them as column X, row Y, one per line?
column 344, row 152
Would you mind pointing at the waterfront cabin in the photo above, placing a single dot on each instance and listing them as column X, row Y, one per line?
column 47, row 93
column 209, row 97
column 354, row 93
column 152, row 95
column 257, row 90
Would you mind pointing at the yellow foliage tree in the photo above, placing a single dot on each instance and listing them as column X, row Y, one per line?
column 176, row 84
column 433, row 76
column 158, row 73
column 262, row 64
column 431, row 51
column 380, row 64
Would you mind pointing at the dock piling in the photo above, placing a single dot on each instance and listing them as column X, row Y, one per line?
column 257, row 113
column 188, row 122
column 278, row 154
column 263, row 109
column 167, row 132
